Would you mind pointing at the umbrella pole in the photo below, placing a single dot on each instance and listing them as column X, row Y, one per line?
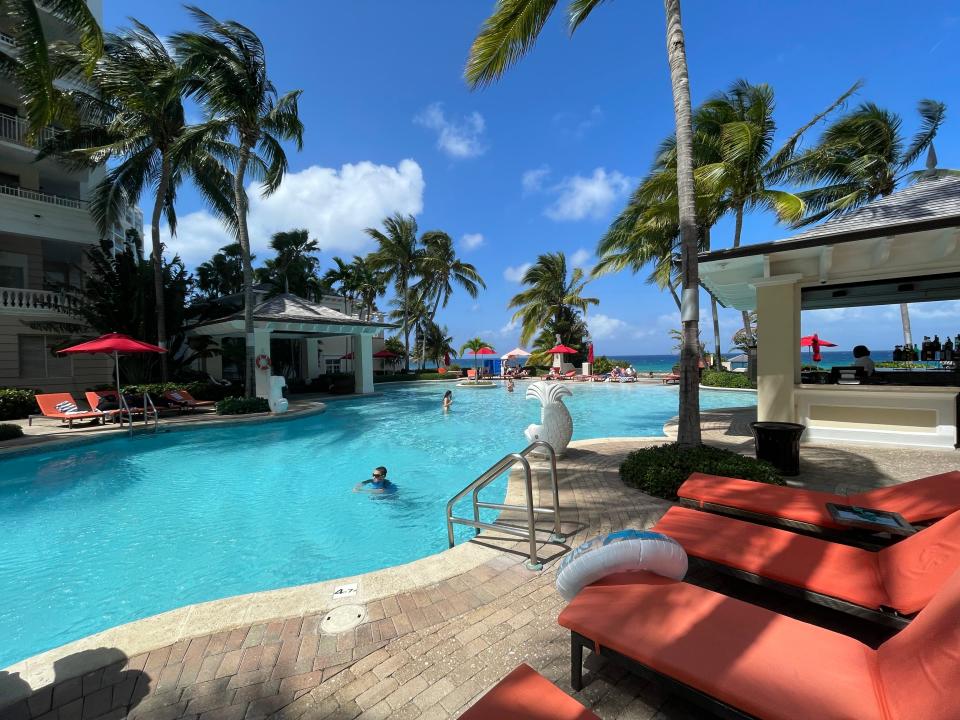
column 116, row 365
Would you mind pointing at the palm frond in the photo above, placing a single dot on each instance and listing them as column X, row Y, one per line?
column 506, row 36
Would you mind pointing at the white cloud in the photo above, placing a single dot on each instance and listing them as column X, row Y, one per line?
column 510, row 327
column 575, row 125
column 580, row 257
column 459, row 139
column 603, row 327
column 532, row 180
column 580, row 197
column 471, row 241
column 335, row 205
column 515, row 273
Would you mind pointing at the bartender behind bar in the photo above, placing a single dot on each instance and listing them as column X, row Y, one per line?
column 861, row 358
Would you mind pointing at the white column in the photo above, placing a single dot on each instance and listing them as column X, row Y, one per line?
column 778, row 348
column 313, row 357
column 363, row 363
column 261, row 346
column 214, row 365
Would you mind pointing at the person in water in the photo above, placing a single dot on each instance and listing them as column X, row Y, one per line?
column 447, row 400
column 509, row 384
column 378, row 483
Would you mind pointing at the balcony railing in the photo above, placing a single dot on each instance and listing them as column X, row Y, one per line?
column 43, row 197
column 16, row 129
column 8, row 41
column 34, row 301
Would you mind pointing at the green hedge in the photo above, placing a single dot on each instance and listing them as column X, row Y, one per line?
column 661, row 470
column 725, row 379
column 9, row 431
column 602, row 364
column 17, row 403
column 199, row 390
column 242, row 406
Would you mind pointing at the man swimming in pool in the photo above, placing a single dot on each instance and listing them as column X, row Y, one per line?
column 376, row 484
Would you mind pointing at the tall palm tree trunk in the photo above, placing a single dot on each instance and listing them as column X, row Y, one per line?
column 905, row 318
column 737, row 229
column 162, row 187
column 243, row 236
column 406, row 329
column 688, row 431
column 716, row 332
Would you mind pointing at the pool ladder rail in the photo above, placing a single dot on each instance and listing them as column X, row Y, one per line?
column 149, row 411
column 524, row 533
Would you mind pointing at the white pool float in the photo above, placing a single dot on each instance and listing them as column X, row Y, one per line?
column 624, row 551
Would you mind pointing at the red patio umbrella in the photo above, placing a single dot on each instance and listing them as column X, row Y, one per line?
column 815, row 343
column 481, row 351
column 384, row 354
column 560, row 349
column 115, row 344
column 348, row 356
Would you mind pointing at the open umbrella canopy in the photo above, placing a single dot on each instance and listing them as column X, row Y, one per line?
column 483, row 351
column 114, row 343
column 385, row 354
column 811, row 340
column 517, row 352
column 348, row 356
column 561, row 350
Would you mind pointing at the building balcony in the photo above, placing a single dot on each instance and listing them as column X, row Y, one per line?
column 7, row 41
column 30, row 213
column 62, row 201
column 21, row 301
column 15, row 129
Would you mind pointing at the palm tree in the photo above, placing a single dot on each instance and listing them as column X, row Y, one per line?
column 474, row 346
column 223, row 273
column 398, row 256
column 441, row 269
column 227, row 65
column 136, row 117
column 294, row 258
column 864, row 156
column 368, row 283
column 439, row 343
column 508, row 34
column 32, row 64
column 418, row 317
column 550, row 294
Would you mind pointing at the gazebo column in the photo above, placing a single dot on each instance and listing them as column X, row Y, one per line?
column 778, row 347
column 313, row 357
column 261, row 346
column 363, row 363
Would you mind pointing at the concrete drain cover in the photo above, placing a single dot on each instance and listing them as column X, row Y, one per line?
column 343, row 618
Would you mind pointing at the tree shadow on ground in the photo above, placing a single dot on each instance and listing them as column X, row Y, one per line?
column 92, row 684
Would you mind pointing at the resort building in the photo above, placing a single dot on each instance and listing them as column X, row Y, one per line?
column 904, row 248
column 45, row 227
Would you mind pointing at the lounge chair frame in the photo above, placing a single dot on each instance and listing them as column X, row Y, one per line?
column 885, row 616
column 578, row 642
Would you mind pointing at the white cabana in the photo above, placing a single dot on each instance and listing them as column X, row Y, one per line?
column 515, row 354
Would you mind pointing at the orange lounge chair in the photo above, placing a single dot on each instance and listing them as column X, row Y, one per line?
column 744, row 661
column 524, row 694
column 918, row 501
column 49, row 402
column 182, row 397
column 888, row 586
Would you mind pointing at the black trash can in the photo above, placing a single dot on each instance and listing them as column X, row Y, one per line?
column 779, row 444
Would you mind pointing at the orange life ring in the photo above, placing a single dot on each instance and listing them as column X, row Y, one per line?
column 263, row 362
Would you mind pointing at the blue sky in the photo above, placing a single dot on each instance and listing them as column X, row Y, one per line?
column 543, row 160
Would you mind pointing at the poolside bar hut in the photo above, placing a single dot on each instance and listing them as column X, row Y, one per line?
column 288, row 316
column 904, row 248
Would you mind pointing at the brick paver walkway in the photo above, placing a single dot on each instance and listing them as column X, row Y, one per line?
column 425, row 654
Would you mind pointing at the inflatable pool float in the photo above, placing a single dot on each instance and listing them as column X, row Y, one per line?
column 624, row 551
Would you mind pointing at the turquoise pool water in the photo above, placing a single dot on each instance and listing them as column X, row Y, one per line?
column 103, row 534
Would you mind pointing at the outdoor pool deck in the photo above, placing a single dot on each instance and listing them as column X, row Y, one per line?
column 429, row 651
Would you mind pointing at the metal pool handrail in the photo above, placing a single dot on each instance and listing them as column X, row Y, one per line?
column 491, row 474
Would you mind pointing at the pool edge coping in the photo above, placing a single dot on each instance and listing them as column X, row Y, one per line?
column 146, row 634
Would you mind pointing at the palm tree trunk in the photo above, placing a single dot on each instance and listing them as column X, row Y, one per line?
column 406, row 329
column 243, row 236
column 673, row 293
column 905, row 318
column 737, row 229
column 716, row 332
column 688, row 431
column 162, row 187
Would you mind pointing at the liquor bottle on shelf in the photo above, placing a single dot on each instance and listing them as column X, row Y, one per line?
column 897, row 353
column 916, row 353
column 946, row 352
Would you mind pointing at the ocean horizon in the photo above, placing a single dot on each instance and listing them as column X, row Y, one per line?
column 664, row 363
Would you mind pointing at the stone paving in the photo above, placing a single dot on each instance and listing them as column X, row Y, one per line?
column 432, row 652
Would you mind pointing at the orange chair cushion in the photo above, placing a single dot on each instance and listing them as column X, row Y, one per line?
column 919, row 667
column 824, row 567
column 526, row 695
column 920, row 500
column 763, row 663
column 916, row 568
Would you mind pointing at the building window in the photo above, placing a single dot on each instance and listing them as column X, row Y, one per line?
column 13, row 270
column 332, row 365
column 38, row 358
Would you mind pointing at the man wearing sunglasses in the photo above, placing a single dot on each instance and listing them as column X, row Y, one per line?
column 376, row 484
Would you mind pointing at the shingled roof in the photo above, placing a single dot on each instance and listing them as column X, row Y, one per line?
column 929, row 204
column 294, row 309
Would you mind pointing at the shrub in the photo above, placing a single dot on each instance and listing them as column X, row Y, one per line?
column 602, row 364
column 200, row 390
column 335, row 383
column 242, row 406
column 725, row 379
column 17, row 403
column 9, row 431
column 661, row 470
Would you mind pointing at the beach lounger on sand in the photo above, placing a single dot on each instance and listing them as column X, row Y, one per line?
column 744, row 661
column 524, row 694
column 887, row 586
column 61, row 406
column 918, row 501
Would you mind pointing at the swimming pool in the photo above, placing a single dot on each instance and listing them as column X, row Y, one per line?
column 102, row 534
